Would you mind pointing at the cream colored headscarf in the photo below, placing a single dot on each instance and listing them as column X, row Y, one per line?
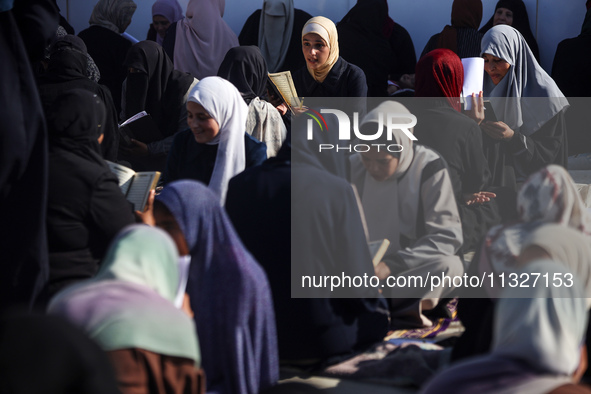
column 115, row 15
column 326, row 29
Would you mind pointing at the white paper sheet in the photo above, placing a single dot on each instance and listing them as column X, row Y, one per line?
column 473, row 78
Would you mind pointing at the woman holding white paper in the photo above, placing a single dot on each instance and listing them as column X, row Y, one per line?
column 530, row 131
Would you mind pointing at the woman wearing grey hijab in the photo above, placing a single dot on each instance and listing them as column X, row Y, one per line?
column 530, row 131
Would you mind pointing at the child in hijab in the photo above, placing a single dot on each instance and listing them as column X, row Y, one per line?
column 246, row 68
column 326, row 74
column 216, row 147
column 228, row 290
column 164, row 13
column 408, row 198
column 128, row 308
column 513, row 13
column 530, row 131
column 538, row 340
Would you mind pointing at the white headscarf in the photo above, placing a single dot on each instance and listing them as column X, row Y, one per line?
column 543, row 326
column 535, row 96
column 203, row 38
column 224, row 103
column 275, row 31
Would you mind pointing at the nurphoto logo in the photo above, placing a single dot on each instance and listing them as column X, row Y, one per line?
column 391, row 121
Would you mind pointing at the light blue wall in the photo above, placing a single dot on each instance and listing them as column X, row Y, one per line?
column 558, row 19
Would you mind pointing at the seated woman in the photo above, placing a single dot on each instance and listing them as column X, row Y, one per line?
column 227, row 288
column 128, row 310
column 326, row 74
column 246, row 68
column 154, row 86
column 164, row 13
column 536, row 344
column 85, row 206
column 513, row 13
column 216, row 147
column 548, row 197
column 408, row 198
column 530, row 131
column 458, row 139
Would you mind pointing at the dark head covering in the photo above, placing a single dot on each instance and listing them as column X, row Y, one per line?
column 74, row 121
column 158, row 88
column 46, row 354
column 246, row 68
column 464, row 14
column 229, row 292
column 520, row 22
column 440, row 74
column 67, row 59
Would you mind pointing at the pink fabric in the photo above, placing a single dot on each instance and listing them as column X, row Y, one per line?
column 203, row 38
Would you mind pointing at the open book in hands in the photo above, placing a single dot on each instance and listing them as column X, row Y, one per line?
column 135, row 186
column 283, row 86
column 139, row 127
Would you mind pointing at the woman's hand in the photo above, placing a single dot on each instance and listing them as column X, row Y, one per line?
column 497, row 130
column 186, row 307
column 382, row 271
column 137, row 149
column 282, row 108
column 477, row 110
column 478, row 198
column 147, row 215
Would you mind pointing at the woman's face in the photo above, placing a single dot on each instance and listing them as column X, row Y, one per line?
column 160, row 23
column 503, row 16
column 166, row 221
column 203, row 126
column 495, row 67
column 315, row 50
column 379, row 164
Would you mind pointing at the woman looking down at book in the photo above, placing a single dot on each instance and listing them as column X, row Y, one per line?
column 530, row 107
column 154, row 86
column 216, row 147
column 326, row 74
column 85, row 207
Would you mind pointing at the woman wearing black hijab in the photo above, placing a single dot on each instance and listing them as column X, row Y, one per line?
column 513, row 13
column 246, row 68
column 154, row 86
column 85, row 207
column 362, row 43
column 66, row 70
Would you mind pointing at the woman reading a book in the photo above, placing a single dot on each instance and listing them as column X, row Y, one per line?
column 246, row 68
column 85, row 207
column 326, row 73
column 154, row 86
column 129, row 309
column 530, row 107
column 228, row 289
column 216, row 147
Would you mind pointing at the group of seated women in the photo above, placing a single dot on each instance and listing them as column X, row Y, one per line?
column 195, row 292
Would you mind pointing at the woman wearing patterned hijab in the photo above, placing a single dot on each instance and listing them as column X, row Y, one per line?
column 326, row 74
column 530, row 133
column 104, row 42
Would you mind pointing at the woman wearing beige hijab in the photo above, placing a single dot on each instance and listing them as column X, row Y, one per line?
column 326, row 74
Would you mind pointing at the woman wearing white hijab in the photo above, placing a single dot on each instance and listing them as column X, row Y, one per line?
column 538, row 341
column 530, row 108
column 216, row 147
column 202, row 38
column 408, row 199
